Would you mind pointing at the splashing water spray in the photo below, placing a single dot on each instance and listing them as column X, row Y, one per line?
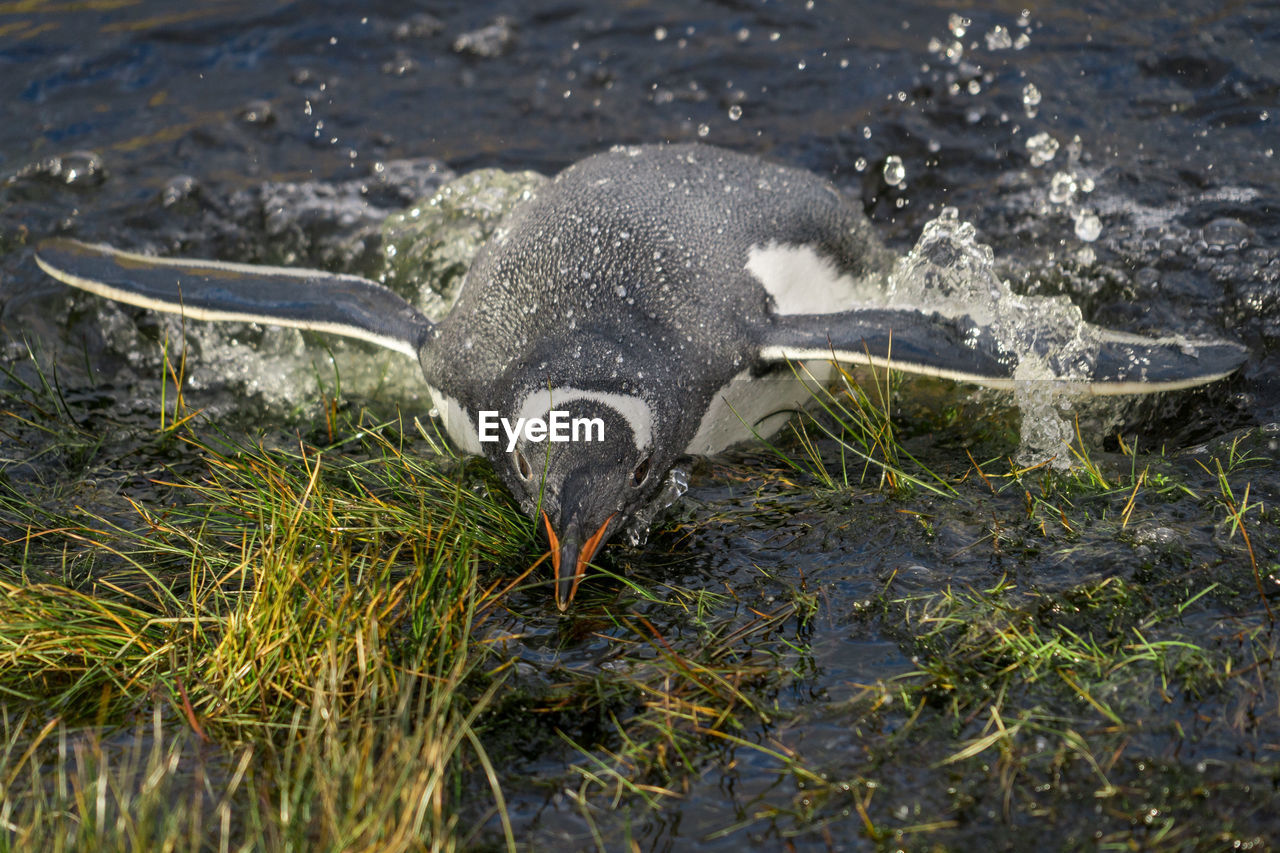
column 950, row 272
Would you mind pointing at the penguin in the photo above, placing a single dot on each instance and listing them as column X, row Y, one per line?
column 649, row 303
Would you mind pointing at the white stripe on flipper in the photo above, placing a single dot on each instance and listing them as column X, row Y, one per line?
column 802, row 281
column 129, row 297
column 1000, row 383
column 633, row 410
column 259, row 270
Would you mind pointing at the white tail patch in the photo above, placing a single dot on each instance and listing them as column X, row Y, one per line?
column 802, row 281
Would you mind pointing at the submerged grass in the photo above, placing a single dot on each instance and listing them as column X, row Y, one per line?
column 1033, row 705
column 1027, row 704
column 859, row 427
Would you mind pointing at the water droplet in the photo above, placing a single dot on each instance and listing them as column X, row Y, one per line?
column 1088, row 225
column 954, row 274
column 894, row 172
column 179, row 189
column 1226, row 234
column 1042, row 147
column 79, row 168
column 998, row 38
column 659, row 33
column 704, row 129
column 1062, row 188
column 417, row 26
column 958, row 24
column 257, row 112
column 735, row 112
column 1030, row 99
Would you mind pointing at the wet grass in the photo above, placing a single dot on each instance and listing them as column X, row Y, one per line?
column 346, row 641
column 858, row 423
column 278, row 655
column 1027, row 701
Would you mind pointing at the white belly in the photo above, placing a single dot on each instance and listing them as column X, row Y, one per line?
column 749, row 408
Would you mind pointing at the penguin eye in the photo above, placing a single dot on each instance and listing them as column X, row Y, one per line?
column 522, row 466
column 641, row 473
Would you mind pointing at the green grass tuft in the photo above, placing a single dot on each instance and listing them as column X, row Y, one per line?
column 307, row 612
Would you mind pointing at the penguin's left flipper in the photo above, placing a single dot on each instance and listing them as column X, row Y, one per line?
column 1132, row 364
column 961, row 350
column 344, row 305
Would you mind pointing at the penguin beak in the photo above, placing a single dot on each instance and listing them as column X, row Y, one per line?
column 571, row 555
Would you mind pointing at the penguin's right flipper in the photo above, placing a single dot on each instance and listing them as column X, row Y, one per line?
column 904, row 339
column 344, row 305
column 959, row 349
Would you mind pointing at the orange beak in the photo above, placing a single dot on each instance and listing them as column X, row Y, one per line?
column 570, row 560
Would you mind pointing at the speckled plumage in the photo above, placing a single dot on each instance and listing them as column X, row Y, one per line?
column 661, row 289
column 627, row 273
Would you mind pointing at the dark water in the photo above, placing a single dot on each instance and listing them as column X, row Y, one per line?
column 1174, row 110
column 251, row 131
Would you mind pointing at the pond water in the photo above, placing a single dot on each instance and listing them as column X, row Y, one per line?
column 1123, row 157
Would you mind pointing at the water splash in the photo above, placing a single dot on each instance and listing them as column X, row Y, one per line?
column 1046, row 338
column 677, row 483
column 429, row 246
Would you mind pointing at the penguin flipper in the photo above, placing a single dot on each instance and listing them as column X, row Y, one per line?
column 959, row 349
column 1133, row 364
column 911, row 341
column 344, row 305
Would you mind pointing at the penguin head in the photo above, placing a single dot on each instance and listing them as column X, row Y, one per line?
column 596, row 465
